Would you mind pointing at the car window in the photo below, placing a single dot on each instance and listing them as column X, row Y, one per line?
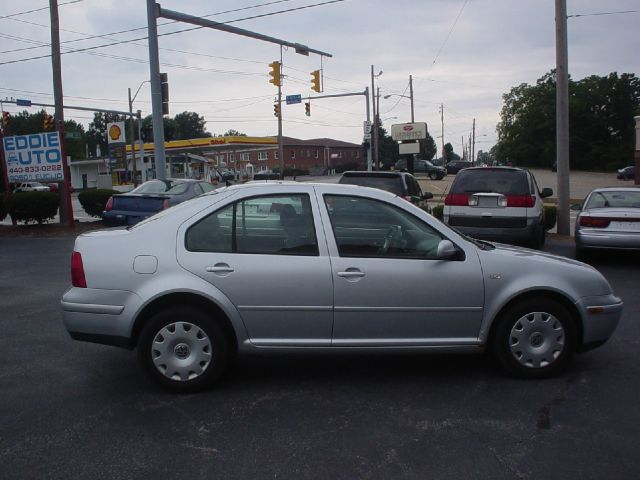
column 413, row 187
column 506, row 182
column 152, row 186
column 389, row 183
column 363, row 227
column 615, row 199
column 178, row 188
column 280, row 225
column 206, row 187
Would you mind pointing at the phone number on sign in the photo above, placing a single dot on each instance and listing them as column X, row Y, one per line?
column 37, row 169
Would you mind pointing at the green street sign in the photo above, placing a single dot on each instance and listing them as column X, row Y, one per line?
column 72, row 135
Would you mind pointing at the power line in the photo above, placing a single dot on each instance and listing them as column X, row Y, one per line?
column 602, row 13
column 37, row 9
column 107, row 36
column 450, row 32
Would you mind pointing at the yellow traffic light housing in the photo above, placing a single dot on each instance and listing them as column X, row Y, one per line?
column 275, row 73
column 47, row 121
column 307, row 109
column 315, row 81
column 5, row 119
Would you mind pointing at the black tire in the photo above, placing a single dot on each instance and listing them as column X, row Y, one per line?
column 433, row 176
column 194, row 359
column 534, row 338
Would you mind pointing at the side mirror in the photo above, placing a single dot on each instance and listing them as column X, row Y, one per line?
column 576, row 207
column 546, row 192
column 427, row 196
column 446, row 250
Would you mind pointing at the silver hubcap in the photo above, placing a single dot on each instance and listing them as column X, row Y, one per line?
column 181, row 351
column 537, row 339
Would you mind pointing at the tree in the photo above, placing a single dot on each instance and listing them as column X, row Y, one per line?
column 233, row 133
column 428, row 147
column 449, row 153
column 97, row 132
column 601, row 125
column 189, row 125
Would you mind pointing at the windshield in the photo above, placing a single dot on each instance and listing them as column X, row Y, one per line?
column 178, row 188
column 153, row 186
column 506, row 182
column 388, row 184
column 614, row 199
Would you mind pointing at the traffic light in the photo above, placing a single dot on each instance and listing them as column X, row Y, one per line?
column 164, row 91
column 5, row 119
column 275, row 73
column 276, row 110
column 307, row 109
column 315, row 81
column 48, row 121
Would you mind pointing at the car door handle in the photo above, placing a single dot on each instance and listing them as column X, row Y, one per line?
column 219, row 268
column 351, row 273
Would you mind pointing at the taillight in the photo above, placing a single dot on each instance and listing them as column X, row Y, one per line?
column 527, row 201
column 77, row 271
column 165, row 204
column 457, row 199
column 594, row 222
column 109, row 205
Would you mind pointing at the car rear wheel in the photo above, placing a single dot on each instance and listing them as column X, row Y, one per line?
column 535, row 338
column 183, row 349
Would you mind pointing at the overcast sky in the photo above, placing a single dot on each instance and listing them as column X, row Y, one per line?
column 462, row 54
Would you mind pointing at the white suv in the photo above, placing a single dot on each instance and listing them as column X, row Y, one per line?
column 500, row 203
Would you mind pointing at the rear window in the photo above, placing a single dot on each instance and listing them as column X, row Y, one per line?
column 506, row 182
column 391, row 184
column 152, row 186
column 614, row 199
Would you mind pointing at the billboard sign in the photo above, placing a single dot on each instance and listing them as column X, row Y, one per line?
column 35, row 157
column 409, row 131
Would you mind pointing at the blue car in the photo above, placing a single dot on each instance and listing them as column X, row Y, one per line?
column 150, row 198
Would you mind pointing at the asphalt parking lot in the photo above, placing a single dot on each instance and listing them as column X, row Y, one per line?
column 78, row 410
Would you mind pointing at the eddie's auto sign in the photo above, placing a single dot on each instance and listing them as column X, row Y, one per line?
column 36, row 157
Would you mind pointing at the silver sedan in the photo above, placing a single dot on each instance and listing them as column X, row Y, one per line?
column 609, row 219
column 285, row 267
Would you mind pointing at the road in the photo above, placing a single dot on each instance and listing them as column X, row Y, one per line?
column 72, row 410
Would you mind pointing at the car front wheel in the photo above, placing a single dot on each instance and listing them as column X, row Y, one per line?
column 183, row 349
column 535, row 338
column 433, row 176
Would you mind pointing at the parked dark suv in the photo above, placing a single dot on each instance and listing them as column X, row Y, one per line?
column 497, row 203
column 455, row 166
column 402, row 184
column 422, row 166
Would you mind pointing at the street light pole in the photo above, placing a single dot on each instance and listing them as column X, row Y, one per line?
column 132, row 139
column 413, row 118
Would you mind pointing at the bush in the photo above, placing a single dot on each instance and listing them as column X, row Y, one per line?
column 438, row 212
column 94, row 201
column 3, row 207
column 550, row 215
column 33, row 206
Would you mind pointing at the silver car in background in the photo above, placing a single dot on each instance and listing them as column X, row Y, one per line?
column 286, row 267
column 609, row 219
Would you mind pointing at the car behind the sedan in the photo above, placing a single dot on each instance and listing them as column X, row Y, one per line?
column 609, row 219
column 286, row 267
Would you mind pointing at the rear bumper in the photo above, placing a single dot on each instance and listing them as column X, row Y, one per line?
column 501, row 234
column 100, row 316
column 599, row 239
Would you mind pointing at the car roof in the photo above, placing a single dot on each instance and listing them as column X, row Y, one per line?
column 616, row 189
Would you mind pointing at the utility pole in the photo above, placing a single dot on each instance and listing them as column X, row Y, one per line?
column 139, row 115
column 473, row 144
column 280, row 146
column 413, row 117
column 378, row 122
column 66, row 209
column 369, row 160
column 562, row 117
column 444, row 160
column 132, row 138
column 374, row 137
